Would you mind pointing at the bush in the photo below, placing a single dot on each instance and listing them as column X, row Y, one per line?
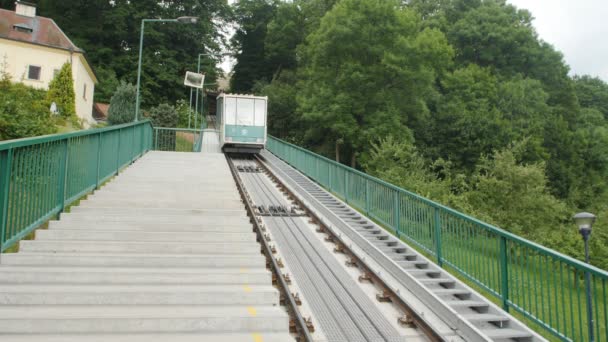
column 122, row 104
column 164, row 116
column 61, row 91
column 23, row 111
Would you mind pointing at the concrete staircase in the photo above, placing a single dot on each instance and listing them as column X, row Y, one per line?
column 164, row 252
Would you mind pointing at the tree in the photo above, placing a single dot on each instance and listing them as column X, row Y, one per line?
column 283, row 120
column 368, row 69
column 108, row 82
column 515, row 196
column 109, row 32
column 164, row 115
column 592, row 92
column 284, row 33
column 252, row 17
column 61, row 92
column 122, row 104
column 399, row 162
column 467, row 123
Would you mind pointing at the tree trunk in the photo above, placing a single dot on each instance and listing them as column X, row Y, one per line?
column 337, row 151
column 353, row 160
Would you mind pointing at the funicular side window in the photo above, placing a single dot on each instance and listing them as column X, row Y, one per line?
column 260, row 113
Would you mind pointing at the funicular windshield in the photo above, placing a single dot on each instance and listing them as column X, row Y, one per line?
column 245, row 112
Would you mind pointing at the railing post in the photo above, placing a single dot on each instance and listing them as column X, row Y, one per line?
column 6, row 158
column 367, row 198
column 155, row 133
column 504, row 274
column 329, row 168
column 63, row 175
column 438, row 246
column 346, row 186
column 98, row 160
column 118, row 151
column 396, row 207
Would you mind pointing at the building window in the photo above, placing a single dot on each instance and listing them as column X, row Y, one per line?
column 84, row 92
column 22, row 28
column 33, row 72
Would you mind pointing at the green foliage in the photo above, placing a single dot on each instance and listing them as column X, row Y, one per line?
column 61, row 91
column 249, row 40
column 592, row 92
column 164, row 115
column 369, row 68
column 122, row 104
column 23, row 111
column 283, row 121
column 109, row 31
column 400, row 163
column 108, row 82
column 514, row 195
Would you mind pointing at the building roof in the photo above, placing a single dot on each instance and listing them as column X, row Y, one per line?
column 35, row 30
column 100, row 111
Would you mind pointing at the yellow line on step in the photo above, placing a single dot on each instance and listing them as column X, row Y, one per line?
column 246, row 288
column 257, row 337
column 252, row 311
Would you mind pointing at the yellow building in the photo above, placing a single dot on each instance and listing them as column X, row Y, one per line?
column 34, row 49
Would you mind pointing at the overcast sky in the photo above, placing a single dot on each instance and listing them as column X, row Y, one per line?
column 577, row 28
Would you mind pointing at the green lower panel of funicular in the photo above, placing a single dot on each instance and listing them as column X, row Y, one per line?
column 244, row 134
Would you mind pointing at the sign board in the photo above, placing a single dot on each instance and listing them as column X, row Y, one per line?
column 194, row 80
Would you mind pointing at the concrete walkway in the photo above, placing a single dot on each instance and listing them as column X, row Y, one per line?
column 165, row 252
column 211, row 141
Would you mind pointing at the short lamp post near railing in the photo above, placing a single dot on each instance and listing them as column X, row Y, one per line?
column 182, row 20
column 585, row 221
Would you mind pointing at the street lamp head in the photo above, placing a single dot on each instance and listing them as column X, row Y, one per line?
column 188, row 20
column 584, row 221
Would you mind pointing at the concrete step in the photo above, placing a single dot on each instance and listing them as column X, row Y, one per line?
column 132, row 260
column 94, row 246
column 132, row 275
column 109, row 235
column 157, row 337
column 66, row 294
column 237, row 218
column 155, row 212
column 70, row 319
column 169, row 188
column 245, row 227
column 183, row 203
column 228, row 194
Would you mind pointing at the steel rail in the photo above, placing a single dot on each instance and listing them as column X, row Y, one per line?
column 301, row 326
column 323, row 268
column 411, row 315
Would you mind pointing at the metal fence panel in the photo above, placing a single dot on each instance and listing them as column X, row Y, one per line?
column 542, row 286
column 40, row 176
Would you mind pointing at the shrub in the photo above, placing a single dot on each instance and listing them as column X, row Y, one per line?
column 122, row 104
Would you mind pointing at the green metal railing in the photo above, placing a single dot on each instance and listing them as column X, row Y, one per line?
column 177, row 139
column 537, row 284
column 40, row 176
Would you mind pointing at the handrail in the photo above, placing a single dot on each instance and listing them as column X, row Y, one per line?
column 40, row 176
column 520, row 273
column 177, row 139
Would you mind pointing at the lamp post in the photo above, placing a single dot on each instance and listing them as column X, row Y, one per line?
column 183, row 20
column 585, row 221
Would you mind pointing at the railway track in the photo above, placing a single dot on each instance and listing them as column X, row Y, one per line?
column 336, row 290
